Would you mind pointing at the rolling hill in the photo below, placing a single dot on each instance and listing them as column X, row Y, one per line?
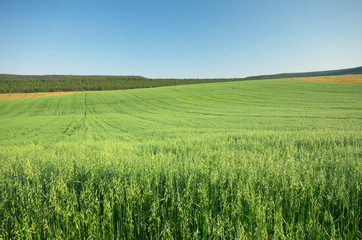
column 347, row 71
column 234, row 160
column 10, row 83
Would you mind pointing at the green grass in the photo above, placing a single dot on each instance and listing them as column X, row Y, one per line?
column 237, row 160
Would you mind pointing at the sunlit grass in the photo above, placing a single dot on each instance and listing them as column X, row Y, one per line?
column 240, row 160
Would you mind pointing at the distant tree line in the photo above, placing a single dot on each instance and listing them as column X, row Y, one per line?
column 59, row 83
column 348, row 71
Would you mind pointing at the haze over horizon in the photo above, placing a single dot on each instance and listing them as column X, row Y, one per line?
column 179, row 39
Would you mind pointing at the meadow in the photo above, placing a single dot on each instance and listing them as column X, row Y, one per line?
column 234, row 160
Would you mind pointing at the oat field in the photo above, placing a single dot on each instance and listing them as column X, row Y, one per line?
column 235, row 160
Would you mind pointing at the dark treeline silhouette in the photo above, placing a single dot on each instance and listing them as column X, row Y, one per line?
column 55, row 83
column 10, row 83
column 348, row 71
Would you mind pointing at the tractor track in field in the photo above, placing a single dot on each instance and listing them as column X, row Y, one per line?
column 75, row 125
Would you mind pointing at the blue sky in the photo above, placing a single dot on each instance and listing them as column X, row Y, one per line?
column 191, row 38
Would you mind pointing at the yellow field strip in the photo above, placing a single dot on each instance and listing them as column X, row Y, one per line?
column 355, row 78
column 5, row 96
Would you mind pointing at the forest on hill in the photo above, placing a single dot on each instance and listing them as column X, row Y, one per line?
column 11, row 83
column 58, row 83
column 347, row 71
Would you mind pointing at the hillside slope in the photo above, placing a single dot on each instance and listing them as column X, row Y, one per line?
column 240, row 160
column 348, row 71
column 57, row 83
column 10, row 83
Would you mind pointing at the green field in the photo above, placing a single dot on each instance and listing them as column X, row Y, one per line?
column 237, row 160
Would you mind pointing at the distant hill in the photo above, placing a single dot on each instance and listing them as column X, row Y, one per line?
column 10, row 83
column 348, row 71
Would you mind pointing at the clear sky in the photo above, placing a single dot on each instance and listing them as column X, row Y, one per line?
column 184, row 38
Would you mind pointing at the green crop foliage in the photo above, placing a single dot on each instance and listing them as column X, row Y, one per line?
column 237, row 160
